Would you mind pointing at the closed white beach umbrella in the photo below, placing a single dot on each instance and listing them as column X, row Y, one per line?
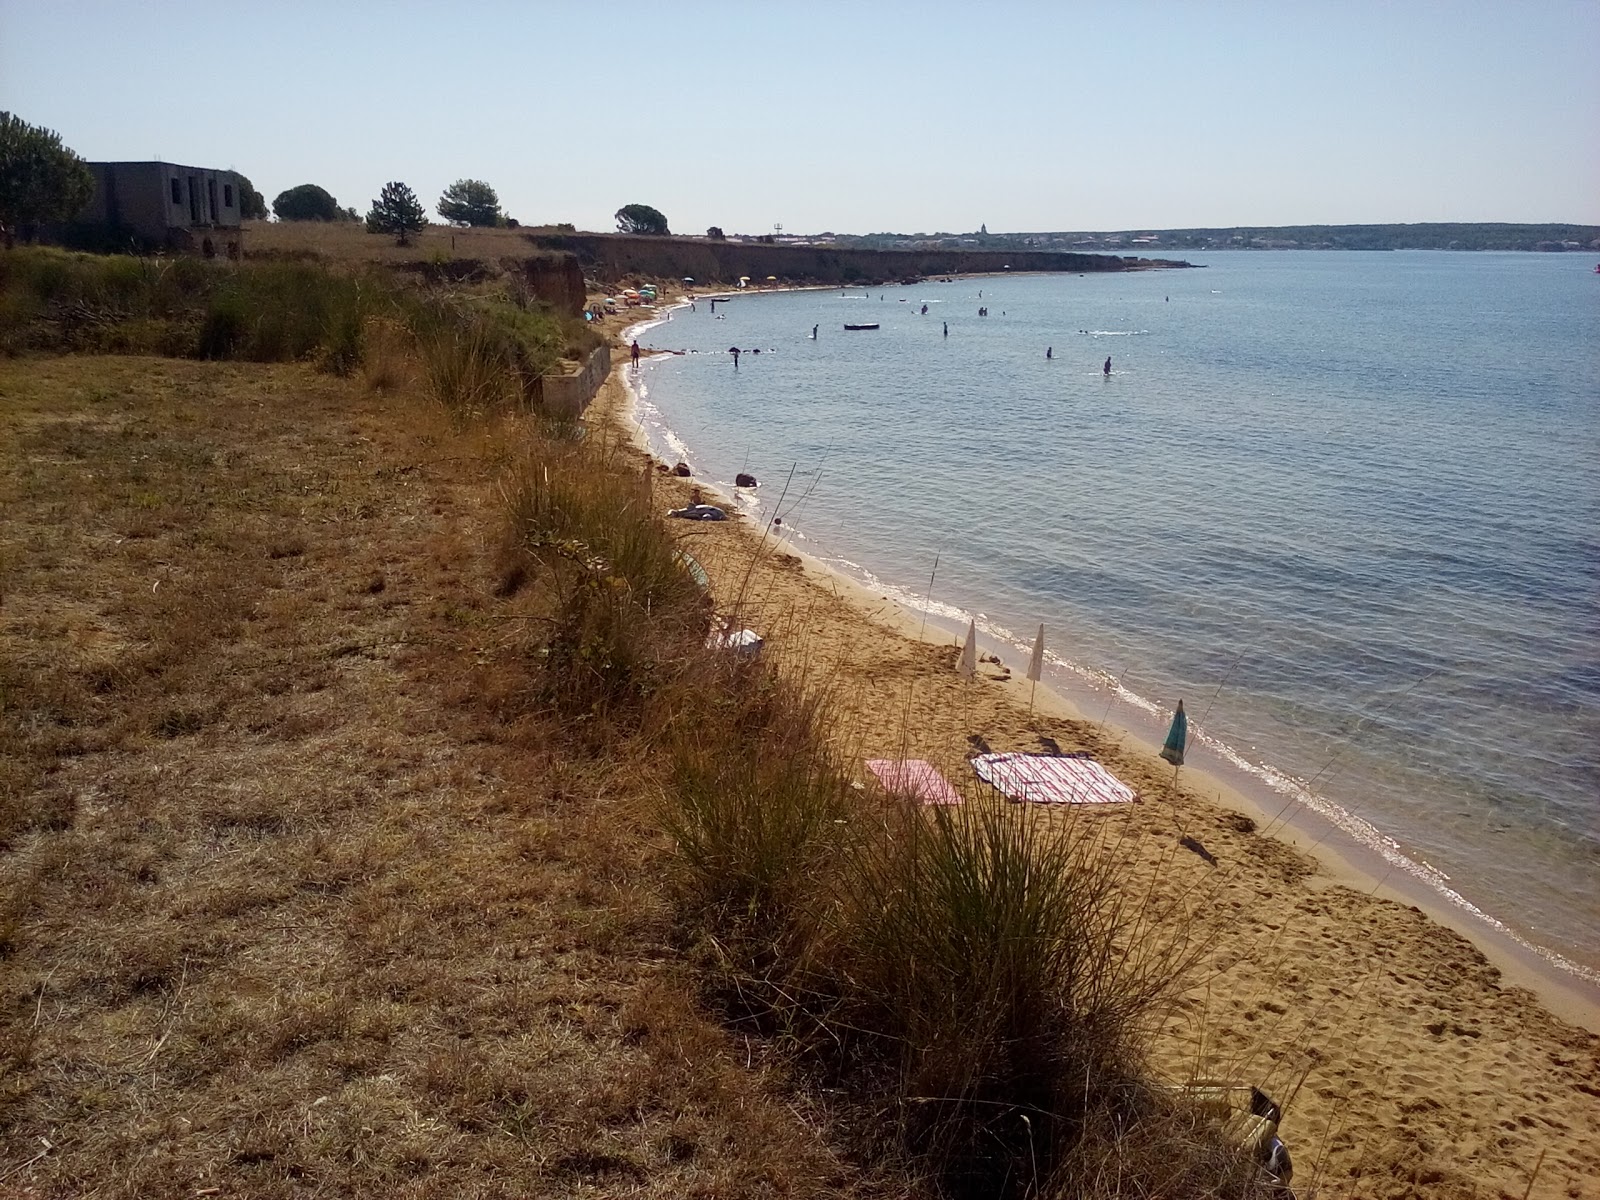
column 968, row 664
column 1036, row 666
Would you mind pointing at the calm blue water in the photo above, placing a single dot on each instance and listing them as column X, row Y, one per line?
column 1362, row 489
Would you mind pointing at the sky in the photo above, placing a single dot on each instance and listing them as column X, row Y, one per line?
column 849, row 117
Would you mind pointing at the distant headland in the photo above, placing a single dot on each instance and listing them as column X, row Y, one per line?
column 793, row 260
column 1426, row 236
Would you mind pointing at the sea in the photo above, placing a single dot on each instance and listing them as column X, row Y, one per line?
column 1346, row 506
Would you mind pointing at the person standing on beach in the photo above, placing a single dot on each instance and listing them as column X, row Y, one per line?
column 1108, row 366
column 635, row 354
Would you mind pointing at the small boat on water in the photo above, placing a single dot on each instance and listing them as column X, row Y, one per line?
column 874, row 325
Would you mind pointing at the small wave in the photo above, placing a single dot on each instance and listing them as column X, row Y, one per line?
column 1114, row 332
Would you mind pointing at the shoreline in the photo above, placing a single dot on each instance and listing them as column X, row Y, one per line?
column 1389, row 1035
column 1569, row 990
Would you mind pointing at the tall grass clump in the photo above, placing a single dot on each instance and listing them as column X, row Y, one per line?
column 480, row 357
column 288, row 311
column 628, row 617
column 759, row 809
column 994, row 956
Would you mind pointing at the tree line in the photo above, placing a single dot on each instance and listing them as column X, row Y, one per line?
column 43, row 180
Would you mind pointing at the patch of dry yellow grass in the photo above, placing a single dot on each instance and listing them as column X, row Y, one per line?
column 297, row 895
column 349, row 241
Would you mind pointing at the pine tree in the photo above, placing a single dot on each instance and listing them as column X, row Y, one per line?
column 40, row 179
column 398, row 211
column 472, row 202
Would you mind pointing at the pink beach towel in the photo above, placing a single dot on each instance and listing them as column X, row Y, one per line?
column 1052, row 779
column 914, row 778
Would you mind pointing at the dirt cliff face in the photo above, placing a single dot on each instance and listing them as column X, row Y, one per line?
column 557, row 278
column 612, row 256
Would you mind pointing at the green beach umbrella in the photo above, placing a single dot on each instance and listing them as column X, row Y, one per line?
column 1172, row 750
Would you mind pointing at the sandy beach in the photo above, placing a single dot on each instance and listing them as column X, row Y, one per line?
column 1408, row 1062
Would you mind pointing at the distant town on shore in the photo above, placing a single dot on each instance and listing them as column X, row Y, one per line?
column 1432, row 236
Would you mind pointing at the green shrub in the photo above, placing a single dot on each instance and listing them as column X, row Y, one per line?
column 225, row 326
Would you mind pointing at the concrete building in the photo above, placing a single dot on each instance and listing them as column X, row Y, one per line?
column 193, row 209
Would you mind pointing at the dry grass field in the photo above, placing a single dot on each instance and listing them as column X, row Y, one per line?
column 297, row 897
column 349, row 241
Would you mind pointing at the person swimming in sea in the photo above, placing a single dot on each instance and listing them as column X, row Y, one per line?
column 1049, row 351
column 1108, row 366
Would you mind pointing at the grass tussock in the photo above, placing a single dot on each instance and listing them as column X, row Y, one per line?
column 625, row 618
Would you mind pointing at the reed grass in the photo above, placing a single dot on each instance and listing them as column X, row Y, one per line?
column 628, row 618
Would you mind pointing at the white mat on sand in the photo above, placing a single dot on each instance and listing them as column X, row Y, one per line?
column 1052, row 779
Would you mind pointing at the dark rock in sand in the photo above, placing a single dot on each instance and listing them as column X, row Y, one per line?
column 682, row 470
column 744, row 479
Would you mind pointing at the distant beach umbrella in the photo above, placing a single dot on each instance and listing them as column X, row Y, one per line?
column 688, row 278
column 1172, row 749
column 967, row 666
column 1036, row 666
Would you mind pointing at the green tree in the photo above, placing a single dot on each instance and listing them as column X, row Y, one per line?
column 252, row 204
column 398, row 211
column 715, row 234
column 641, row 218
column 40, row 179
column 471, row 201
column 307, row 202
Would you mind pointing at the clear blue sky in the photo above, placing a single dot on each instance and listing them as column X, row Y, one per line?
column 851, row 117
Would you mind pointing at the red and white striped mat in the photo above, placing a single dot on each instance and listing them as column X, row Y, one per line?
column 1052, row 779
column 914, row 778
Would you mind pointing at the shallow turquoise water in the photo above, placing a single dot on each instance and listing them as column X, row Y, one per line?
column 1360, row 492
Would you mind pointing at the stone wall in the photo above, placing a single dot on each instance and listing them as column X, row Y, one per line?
column 569, row 395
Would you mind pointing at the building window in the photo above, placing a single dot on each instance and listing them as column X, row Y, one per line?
column 227, row 195
column 177, row 192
